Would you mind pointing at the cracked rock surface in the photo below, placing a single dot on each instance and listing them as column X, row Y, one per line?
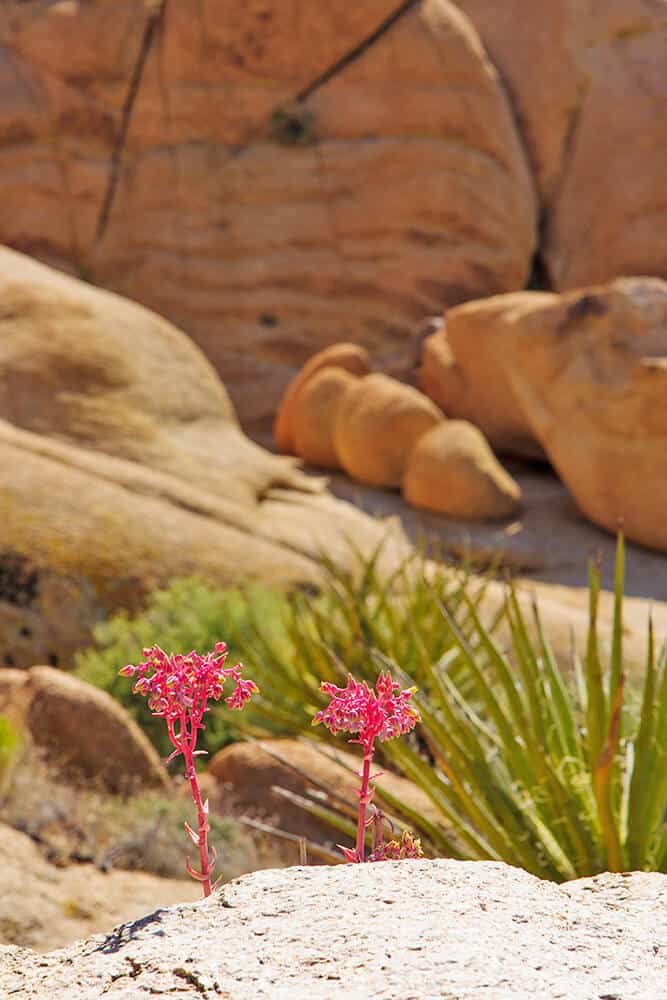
column 398, row 930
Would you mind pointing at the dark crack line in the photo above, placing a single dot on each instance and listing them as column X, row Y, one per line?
column 128, row 106
column 356, row 52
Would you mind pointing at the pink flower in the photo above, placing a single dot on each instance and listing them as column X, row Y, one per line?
column 177, row 684
column 381, row 714
column 179, row 687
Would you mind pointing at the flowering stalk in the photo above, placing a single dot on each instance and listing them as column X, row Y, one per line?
column 380, row 715
column 179, row 688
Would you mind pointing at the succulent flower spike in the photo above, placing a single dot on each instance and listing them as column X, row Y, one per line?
column 179, row 688
column 381, row 715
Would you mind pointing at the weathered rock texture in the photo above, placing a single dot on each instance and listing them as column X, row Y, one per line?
column 397, row 929
column 125, row 467
column 271, row 176
column 451, row 470
column 589, row 370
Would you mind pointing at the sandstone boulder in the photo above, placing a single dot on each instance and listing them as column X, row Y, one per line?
column 349, row 357
column 378, row 422
column 584, row 80
column 589, row 369
column 315, row 416
column 249, row 771
column 213, row 162
column 420, row 929
column 463, row 370
column 125, row 467
column 451, row 470
column 82, row 731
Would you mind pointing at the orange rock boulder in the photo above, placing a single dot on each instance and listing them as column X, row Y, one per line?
column 451, row 470
column 378, row 422
column 315, row 411
column 349, row 357
column 463, row 370
column 589, row 369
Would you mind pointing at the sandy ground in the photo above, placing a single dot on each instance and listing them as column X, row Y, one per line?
column 551, row 542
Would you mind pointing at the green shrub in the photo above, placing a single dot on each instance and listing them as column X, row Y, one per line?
column 187, row 615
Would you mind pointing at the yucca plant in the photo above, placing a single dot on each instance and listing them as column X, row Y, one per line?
column 557, row 769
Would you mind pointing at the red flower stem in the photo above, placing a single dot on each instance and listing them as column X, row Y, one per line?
column 364, row 799
column 202, row 819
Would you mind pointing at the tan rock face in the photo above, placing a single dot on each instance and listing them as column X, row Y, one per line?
column 281, row 177
column 126, row 468
column 462, row 369
column 378, row 422
column 586, row 81
column 590, row 371
column 315, row 416
column 451, row 470
column 348, row 357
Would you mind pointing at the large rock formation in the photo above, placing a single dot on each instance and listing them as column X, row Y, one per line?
column 272, row 177
column 587, row 84
column 589, row 371
column 395, row 930
column 275, row 178
column 125, row 467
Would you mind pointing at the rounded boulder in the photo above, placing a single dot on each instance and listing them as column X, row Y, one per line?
column 378, row 422
column 315, row 413
column 452, row 471
column 350, row 357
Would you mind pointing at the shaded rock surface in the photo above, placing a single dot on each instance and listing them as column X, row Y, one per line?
column 272, row 177
column 82, row 731
column 250, row 770
column 395, row 929
column 451, row 470
column 43, row 906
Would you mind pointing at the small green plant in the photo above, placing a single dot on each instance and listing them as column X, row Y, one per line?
column 9, row 746
column 555, row 771
column 292, row 126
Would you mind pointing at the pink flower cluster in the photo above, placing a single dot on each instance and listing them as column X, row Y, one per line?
column 178, row 687
column 182, row 684
column 358, row 709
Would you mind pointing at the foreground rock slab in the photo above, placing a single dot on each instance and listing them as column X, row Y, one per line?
column 412, row 929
